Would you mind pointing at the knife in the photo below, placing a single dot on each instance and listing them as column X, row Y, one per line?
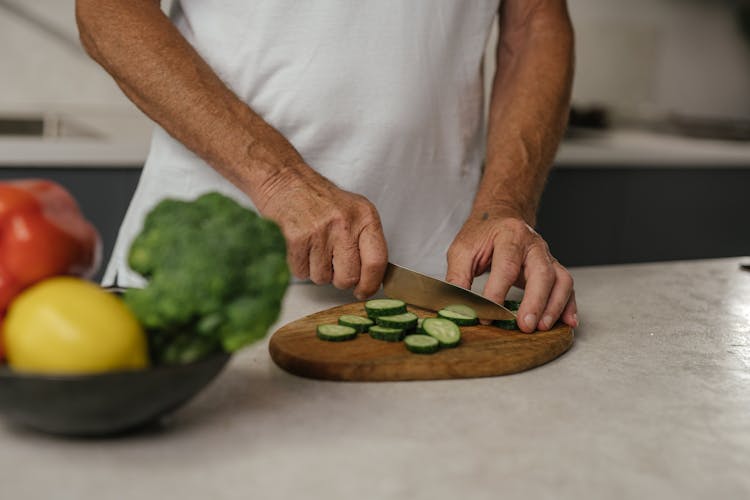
column 430, row 293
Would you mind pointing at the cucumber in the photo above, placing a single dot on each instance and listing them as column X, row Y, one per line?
column 385, row 333
column 384, row 307
column 419, row 325
column 359, row 323
column 462, row 309
column 403, row 321
column 446, row 332
column 421, row 344
column 512, row 305
column 458, row 318
column 336, row 333
column 506, row 324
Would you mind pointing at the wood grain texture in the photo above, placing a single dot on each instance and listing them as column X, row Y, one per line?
column 484, row 351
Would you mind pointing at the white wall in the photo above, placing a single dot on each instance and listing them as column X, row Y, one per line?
column 645, row 56
column 40, row 73
column 661, row 56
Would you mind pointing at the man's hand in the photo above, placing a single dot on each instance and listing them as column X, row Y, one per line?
column 333, row 236
column 527, row 116
column 516, row 255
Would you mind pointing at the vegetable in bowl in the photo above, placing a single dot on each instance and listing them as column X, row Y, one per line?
column 216, row 274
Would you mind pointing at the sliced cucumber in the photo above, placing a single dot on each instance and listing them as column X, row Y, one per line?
column 462, row 309
column 458, row 318
column 359, row 323
column 512, row 305
column 419, row 325
column 505, row 324
column 384, row 307
column 446, row 332
column 404, row 321
column 336, row 333
column 385, row 333
column 422, row 344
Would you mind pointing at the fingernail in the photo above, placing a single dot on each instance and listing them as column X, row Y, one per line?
column 575, row 319
column 548, row 321
column 530, row 320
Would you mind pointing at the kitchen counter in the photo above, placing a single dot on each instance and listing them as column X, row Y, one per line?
column 652, row 401
column 616, row 148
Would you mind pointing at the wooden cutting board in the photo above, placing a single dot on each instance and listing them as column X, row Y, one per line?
column 484, row 351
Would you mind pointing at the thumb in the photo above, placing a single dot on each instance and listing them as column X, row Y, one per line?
column 460, row 267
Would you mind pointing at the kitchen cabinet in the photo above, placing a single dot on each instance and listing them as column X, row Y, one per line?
column 609, row 215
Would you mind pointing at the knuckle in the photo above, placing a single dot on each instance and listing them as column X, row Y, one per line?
column 508, row 269
column 345, row 282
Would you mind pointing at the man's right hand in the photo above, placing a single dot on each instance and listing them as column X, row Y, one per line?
column 333, row 236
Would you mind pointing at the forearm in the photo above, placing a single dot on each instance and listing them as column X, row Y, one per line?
column 528, row 107
column 169, row 81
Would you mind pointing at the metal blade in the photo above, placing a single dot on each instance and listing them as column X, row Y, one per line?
column 430, row 293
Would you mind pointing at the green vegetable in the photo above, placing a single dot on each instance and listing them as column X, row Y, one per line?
column 419, row 325
column 461, row 309
column 512, row 305
column 359, row 323
column 446, row 332
column 216, row 275
column 421, row 344
column 403, row 321
column 384, row 307
column 385, row 333
column 336, row 333
column 458, row 318
column 506, row 324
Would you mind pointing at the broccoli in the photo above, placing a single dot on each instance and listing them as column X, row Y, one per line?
column 216, row 275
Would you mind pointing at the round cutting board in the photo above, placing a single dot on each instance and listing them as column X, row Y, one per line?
column 484, row 351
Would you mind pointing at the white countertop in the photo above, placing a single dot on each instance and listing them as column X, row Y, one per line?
column 619, row 148
column 652, row 401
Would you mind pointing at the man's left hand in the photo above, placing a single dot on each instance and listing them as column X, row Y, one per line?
column 516, row 255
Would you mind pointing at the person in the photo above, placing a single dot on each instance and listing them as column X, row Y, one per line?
column 358, row 127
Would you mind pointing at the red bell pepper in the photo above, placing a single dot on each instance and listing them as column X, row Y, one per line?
column 42, row 234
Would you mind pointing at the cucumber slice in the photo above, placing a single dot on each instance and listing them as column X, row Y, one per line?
column 421, row 344
column 512, row 305
column 384, row 307
column 462, row 309
column 458, row 318
column 404, row 321
column 446, row 332
column 359, row 323
column 419, row 325
column 336, row 333
column 506, row 324
column 385, row 333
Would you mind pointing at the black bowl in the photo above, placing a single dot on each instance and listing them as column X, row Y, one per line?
column 102, row 404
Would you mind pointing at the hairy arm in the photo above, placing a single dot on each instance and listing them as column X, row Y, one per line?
column 528, row 112
column 332, row 235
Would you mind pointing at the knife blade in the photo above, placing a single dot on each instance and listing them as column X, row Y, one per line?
column 430, row 293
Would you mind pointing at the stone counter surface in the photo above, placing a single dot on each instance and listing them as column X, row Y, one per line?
column 652, row 401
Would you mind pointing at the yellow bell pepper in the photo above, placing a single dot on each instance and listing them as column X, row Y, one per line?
column 67, row 325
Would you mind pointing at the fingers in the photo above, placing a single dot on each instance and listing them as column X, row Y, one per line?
column 507, row 259
column 321, row 267
column 540, row 279
column 298, row 257
column 346, row 263
column 570, row 313
column 460, row 266
column 373, row 254
column 559, row 297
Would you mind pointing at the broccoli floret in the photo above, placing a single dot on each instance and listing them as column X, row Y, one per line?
column 216, row 273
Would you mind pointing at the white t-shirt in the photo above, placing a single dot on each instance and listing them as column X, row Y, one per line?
column 382, row 97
